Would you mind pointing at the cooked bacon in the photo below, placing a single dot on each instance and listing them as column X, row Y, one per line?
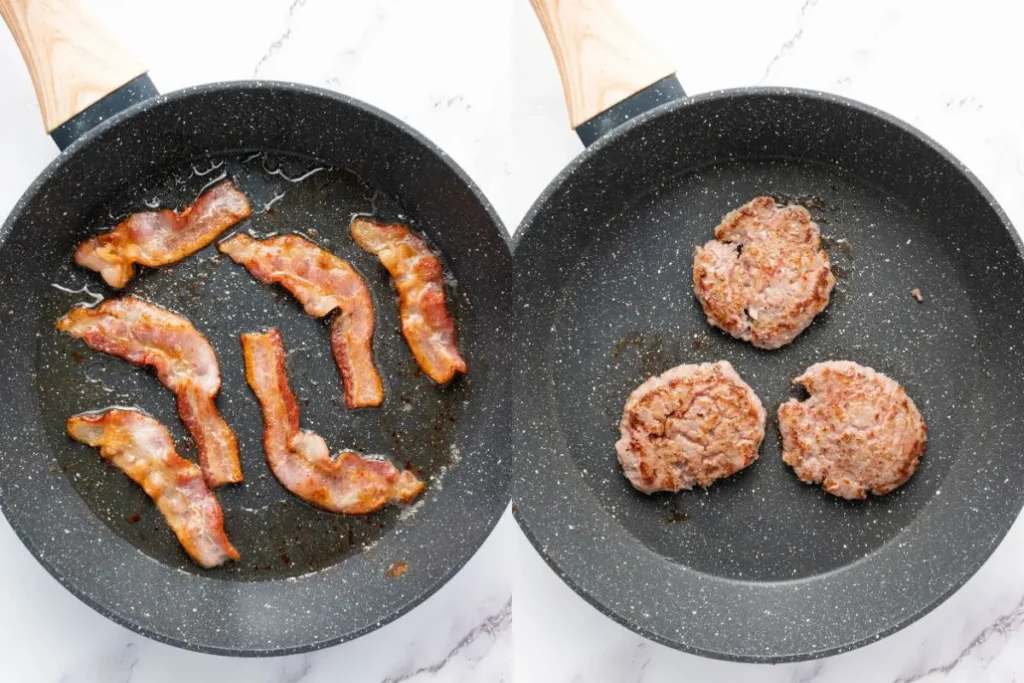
column 322, row 283
column 185, row 363
column 416, row 272
column 299, row 459
column 143, row 449
column 156, row 238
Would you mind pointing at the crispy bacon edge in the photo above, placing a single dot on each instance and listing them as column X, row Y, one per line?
column 353, row 325
column 143, row 449
column 416, row 272
column 142, row 237
column 300, row 460
column 215, row 441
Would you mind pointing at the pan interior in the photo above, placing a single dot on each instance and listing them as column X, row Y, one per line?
column 627, row 312
column 277, row 534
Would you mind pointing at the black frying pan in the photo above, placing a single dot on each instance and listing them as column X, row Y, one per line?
column 307, row 578
column 760, row 567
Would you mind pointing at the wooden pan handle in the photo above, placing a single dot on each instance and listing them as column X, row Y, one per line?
column 73, row 63
column 600, row 55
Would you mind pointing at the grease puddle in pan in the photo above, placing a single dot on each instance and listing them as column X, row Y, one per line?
column 277, row 534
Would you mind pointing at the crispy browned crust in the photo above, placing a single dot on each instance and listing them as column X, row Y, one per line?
column 858, row 432
column 185, row 362
column 416, row 272
column 215, row 442
column 323, row 283
column 157, row 238
column 690, row 426
column 143, row 449
column 349, row 484
column 765, row 276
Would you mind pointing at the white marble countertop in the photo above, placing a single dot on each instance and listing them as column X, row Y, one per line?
column 477, row 78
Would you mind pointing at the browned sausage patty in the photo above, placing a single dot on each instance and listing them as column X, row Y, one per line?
column 689, row 426
column 858, row 431
column 765, row 276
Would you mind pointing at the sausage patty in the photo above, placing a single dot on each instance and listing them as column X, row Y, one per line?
column 689, row 426
column 858, row 431
column 765, row 276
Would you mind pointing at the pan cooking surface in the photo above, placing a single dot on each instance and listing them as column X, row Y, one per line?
column 76, row 514
column 277, row 534
column 761, row 567
column 627, row 312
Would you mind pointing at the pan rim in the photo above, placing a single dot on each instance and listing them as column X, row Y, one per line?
column 526, row 224
column 494, row 511
column 216, row 87
column 523, row 513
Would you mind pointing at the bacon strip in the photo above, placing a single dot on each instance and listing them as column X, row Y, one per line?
column 185, row 363
column 299, row 459
column 157, row 238
column 322, row 283
column 143, row 449
column 416, row 272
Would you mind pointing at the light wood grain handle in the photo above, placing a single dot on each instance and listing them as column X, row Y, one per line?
column 73, row 63
column 601, row 57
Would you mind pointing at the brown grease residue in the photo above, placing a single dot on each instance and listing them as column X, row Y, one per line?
column 397, row 569
column 841, row 256
column 278, row 534
column 811, row 202
column 633, row 340
column 676, row 514
column 837, row 244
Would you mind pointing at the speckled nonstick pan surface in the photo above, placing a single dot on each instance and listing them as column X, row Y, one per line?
column 761, row 567
column 307, row 578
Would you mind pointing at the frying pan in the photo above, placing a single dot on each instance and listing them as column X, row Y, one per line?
column 307, row 578
column 759, row 567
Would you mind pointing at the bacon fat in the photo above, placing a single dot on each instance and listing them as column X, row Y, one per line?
column 300, row 460
column 322, row 283
column 157, row 238
column 417, row 275
column 144, row 334
column 143, row 449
